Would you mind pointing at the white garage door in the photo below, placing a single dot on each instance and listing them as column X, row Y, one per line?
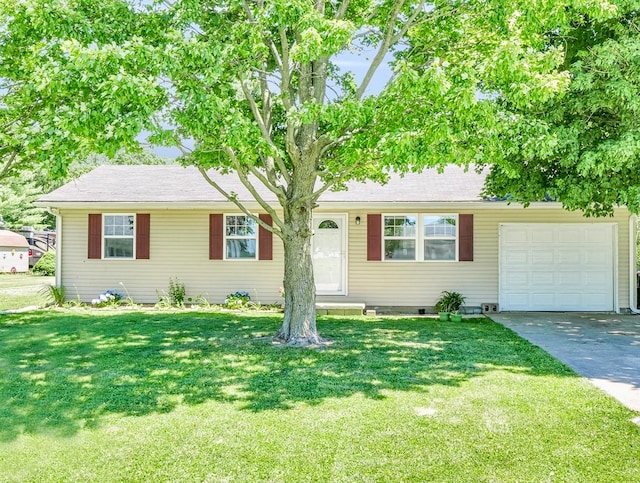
column 557, row 266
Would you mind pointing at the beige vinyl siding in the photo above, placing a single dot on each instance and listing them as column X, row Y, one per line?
column 418, row 284
column 179, row 248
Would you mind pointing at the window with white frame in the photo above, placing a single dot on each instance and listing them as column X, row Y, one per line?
column 118, row 236
column 400, row 237
column 431, row 237
column 240, row 237
column 440, row 237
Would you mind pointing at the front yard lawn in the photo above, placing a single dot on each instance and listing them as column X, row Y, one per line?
column 99, row 395
column 23, row 290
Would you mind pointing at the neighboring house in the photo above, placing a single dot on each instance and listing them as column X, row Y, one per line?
column 397, row 245
column 14, row 252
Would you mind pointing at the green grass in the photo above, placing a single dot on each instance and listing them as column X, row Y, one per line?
column 22, row 290
column 98, row 395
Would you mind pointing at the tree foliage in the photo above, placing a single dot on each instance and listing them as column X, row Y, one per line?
column 559, row 84
column 581, row 147
column 16, row 119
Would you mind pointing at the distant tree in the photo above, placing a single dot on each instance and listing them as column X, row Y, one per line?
column 17, row 194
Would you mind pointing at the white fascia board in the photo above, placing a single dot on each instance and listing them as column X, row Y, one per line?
column 322, row 205
column 421, row 205
column 372, row 206
column 142, row 205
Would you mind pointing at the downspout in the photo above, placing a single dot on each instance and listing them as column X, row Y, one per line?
column 633, row 282
column 56, row 212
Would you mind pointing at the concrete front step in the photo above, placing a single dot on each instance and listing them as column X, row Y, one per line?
column 337, row 308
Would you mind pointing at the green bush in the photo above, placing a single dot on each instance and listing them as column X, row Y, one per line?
column 177, row 292
column 175, row 297
column 46, row 265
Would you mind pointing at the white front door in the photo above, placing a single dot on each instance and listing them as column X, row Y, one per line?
column 330, row 254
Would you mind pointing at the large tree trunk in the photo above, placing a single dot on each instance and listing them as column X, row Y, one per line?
column 299, row 324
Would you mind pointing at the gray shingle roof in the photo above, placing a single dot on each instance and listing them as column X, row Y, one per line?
column 177, row 184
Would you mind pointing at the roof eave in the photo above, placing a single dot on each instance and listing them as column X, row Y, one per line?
column 322, row 205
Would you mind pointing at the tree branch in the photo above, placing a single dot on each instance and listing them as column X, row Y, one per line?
column 266, row 102
column 332, row 144
column 242, row 175
column 8, row 164
column 342, row 10
column 334, row 181
column 409, row 23
column 264, row 130
column 271, row 185
column 282, row 64
column 285, row 71
column 389, row 40
column 234, row 199
column 256, row 113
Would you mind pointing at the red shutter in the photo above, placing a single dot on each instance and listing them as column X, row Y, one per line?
column 216, row 236
column 95, row 236
column 143, row 226
column 265, row 239
column 465, row 238
column 374, row 237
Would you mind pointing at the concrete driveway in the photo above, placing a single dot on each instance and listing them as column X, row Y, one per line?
column 605, row 348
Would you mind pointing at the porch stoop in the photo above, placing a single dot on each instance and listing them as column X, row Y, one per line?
column 331, row 308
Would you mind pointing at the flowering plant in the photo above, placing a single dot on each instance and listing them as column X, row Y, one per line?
column 237, row 300
column 106, row 298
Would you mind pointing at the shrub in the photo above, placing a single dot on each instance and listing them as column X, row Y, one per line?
column 237, row 300
column 175, row 297
column 46, row 265
column 177, row 292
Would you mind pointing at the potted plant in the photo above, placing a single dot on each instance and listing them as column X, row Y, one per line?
column 449, row 302
column 455, row 316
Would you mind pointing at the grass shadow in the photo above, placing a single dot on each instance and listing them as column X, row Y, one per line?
column 61, row 371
